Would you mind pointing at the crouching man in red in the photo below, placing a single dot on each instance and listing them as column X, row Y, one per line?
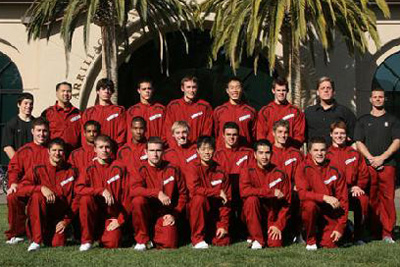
column 323, row 195
column 210, row 196
column 49, row 187
column 159, row 197
column 100, row 192
column 355, row 169
column 266, row 193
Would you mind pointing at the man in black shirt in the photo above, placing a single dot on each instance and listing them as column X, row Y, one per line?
column 17, row 131
column 377, row 136
column 327, row 111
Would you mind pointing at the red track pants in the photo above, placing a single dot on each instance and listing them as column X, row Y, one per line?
column 16, row 215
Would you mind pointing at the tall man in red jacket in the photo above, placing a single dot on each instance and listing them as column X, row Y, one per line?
column 49, row 187
column 210, row 196
column 152, row 112
column 323, row 194
column 159, row 197
column 196, row 112
column 266, row 198
column 281, row 109
column 64, row 119
column 100, row 192
column 24, row 159
column 237, row 111
column 111, row 117
column 355, row 169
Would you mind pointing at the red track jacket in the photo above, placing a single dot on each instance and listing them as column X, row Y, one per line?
column 132, row 155
column 82, row 157
column 287, row 159
column 233, row 160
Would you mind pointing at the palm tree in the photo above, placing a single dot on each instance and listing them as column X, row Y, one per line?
column 256, row 27
column 111, row 16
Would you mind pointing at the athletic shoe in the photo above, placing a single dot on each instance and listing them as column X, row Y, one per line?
column 388, row 239
column 14, row 240
column 359, row 243
column 140, row 247
column 299, row 239
column 33, row 247
column 249, row 243
column 201, row 245
column 311, row 247
column 256, row 245
column 85, row 247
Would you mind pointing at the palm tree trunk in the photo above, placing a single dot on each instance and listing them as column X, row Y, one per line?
column 109, row 57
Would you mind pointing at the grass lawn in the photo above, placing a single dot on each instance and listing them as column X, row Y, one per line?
column 372, row 254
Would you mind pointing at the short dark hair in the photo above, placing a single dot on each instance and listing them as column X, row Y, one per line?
column 377, row 89
column 63, row 83
column 56, row 141
column 104, row 138
column 326, row 79
column 189, row 78
column 145, row 80
column 280, row 81
column 105, row 83
column 154, row 140
column 230, row 125
column 24, row 96
column 139, row 119
column 40, row 121
column 206, row 140
column 234, row 79
column 316, row 140
column 338, row 124
column 262, row 142
column 92, row 123
column 281, row 123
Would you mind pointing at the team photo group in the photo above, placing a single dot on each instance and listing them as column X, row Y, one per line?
column 156, row 176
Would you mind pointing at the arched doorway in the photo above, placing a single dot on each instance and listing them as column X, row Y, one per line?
column 144, row 62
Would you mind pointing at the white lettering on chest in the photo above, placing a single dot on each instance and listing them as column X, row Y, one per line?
column 288, row 116
column 348, row 161
column 113, row 116
column 195, row 115
column 68, row 180
column 170, row 179
column 240, row 161
column 245, row 117
column 333, row 178
column 113, row 179
column 216, row 182
column 192, row 157
column 155, row 116
column 77, row 117
column 273, row 183
column 289, row 161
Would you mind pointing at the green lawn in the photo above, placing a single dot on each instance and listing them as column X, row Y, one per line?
column 372, row 254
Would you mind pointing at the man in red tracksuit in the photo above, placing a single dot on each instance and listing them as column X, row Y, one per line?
column 377, row 136
column 196, row 112
column 49, row 187
column 153, row 113
column 323, row 194
column 237, row 111
column 64, row 119
column 355, row 169
column 181, row 152
column 111, row 117
column 288, row 158
column 24, row 159
column 266, row 194
column 100, row 192
column 210, row 196
column 281, row 109
column 159, row 197
column 82, row 157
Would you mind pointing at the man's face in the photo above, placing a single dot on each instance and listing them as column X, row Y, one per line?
column 40, row 134
column 263, row 155
column 102, row 149
column 138, row 130
column 64, row 93
column 206, row 152
column 318, row 152
column 377, row 99
column 234, row 90
column 104, row 93
column 25, row 107
column 56, row 154
column 281, row 135
column 189, row 89
column 91, row 132
column 339, row 136
column 280, row 93
column 154, row 153
column 325, row 91
column 181, row 135
column 231, row 137
column 145, row 91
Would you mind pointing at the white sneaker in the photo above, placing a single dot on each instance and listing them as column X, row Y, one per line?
column 359, row 243
column 311, row 247
column 299, row 239
column 256, row 245
column 85, row 247
column 140, row 247
column 201, row 245
column 14, row 240
column 33, row 247
column 388, row 239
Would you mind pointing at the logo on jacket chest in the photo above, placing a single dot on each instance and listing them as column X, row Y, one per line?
column 348, row 161
column 168, row 180
column 192, row 157
column 68, row 180
column 275, row 182
column 289, row 161
column 195, row 115
column 75, row 118
column 289, row 116
column 155, row 116
column 244, row 117
column 113, row 116
column 330, row 180
column 240, row 161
